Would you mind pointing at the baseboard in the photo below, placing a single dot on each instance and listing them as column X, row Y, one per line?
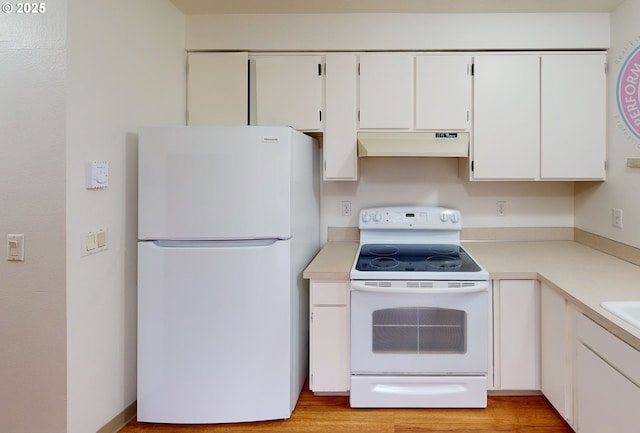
column 121, row 419
column 513, row 393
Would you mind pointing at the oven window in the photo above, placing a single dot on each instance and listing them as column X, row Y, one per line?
column 419, row 330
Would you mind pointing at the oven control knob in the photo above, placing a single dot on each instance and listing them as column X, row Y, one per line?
column 377, row 217
column 444, row 217
column 366, row 218
column 455, row 218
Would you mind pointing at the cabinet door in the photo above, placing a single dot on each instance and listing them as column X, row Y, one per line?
column 443, row 92
column 289, row 91
column 340, row 141
column 607, row 401
column 607, row 394
column 386, row 91
column 329, row 337
column 506, row 117
column 329, row 356
column 516, row 335
column 573, row 128
column 555, row 353
column 217, row 89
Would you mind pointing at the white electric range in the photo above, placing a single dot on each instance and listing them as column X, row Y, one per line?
column 419, row 313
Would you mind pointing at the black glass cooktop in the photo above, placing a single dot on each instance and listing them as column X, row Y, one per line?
column 415, row 258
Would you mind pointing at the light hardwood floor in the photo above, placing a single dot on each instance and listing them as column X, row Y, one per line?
column 313, row 414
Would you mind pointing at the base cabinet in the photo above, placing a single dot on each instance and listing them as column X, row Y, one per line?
column 329, row 337
column 557, row 348
column 516, row 336
column 607, row 388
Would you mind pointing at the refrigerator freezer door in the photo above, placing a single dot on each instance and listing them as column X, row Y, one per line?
column 214, row 182
column 214, row 333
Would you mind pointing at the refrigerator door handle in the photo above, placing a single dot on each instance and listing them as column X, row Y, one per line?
column 238, row 243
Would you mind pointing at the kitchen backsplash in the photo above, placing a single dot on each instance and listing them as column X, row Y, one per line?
column 427, row 181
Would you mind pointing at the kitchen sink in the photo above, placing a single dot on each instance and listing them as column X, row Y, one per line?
column 628, row 311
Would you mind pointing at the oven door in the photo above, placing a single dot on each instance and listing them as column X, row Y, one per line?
column 398, row 327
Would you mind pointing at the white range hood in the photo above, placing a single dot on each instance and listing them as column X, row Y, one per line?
column 413, row 144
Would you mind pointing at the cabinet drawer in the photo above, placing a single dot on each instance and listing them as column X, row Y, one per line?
column 616, row 352
column 329, row 293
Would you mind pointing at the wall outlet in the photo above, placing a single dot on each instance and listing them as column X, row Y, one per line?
column 346, row 208
column 618, row 218
column 501, row 208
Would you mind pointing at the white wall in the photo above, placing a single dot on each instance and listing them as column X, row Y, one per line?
column 435, row 181
column 126, row 68
column 397, row 31
column 32, row 197
column 594, row 202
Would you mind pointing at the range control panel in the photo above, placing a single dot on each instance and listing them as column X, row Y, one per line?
column 410, row 217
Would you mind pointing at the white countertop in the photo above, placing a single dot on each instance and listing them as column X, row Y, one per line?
column 585, row 276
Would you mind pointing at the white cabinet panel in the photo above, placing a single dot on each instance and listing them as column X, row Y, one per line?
column 217, row 88
column 539, row 117
column 516, row 335
column 339, row 143
column 329, row 369
column 386, row 91
column 330, row 345
column 607, row 401
column 573, row 128
column 556, row 353
column 506, row 115
column 289, row 91
column 443, row 92
column 607, row 391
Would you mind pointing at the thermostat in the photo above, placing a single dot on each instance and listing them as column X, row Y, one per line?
column 96, row 174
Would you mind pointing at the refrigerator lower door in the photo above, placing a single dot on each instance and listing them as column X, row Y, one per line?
column 214, row 332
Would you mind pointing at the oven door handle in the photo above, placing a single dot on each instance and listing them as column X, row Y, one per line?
column 476, row 288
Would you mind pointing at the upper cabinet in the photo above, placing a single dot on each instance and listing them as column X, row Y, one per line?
column 506, row 117
column 217, row 88
column 443, row 92
column 386, row 91
column 531, row 116
column 288, row 91
column 415, row 92
column 539, row 117
column 339, row 143
column 574, row 109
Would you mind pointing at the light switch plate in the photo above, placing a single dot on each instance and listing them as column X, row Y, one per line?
column 93, row 242
column 15, row 247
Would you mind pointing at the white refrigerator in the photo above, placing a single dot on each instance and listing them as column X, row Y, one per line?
column 228, row 218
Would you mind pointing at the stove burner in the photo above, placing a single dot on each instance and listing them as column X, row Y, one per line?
column 384, row 263
column 384, row 250
column 446, row 249
column 444, row 263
